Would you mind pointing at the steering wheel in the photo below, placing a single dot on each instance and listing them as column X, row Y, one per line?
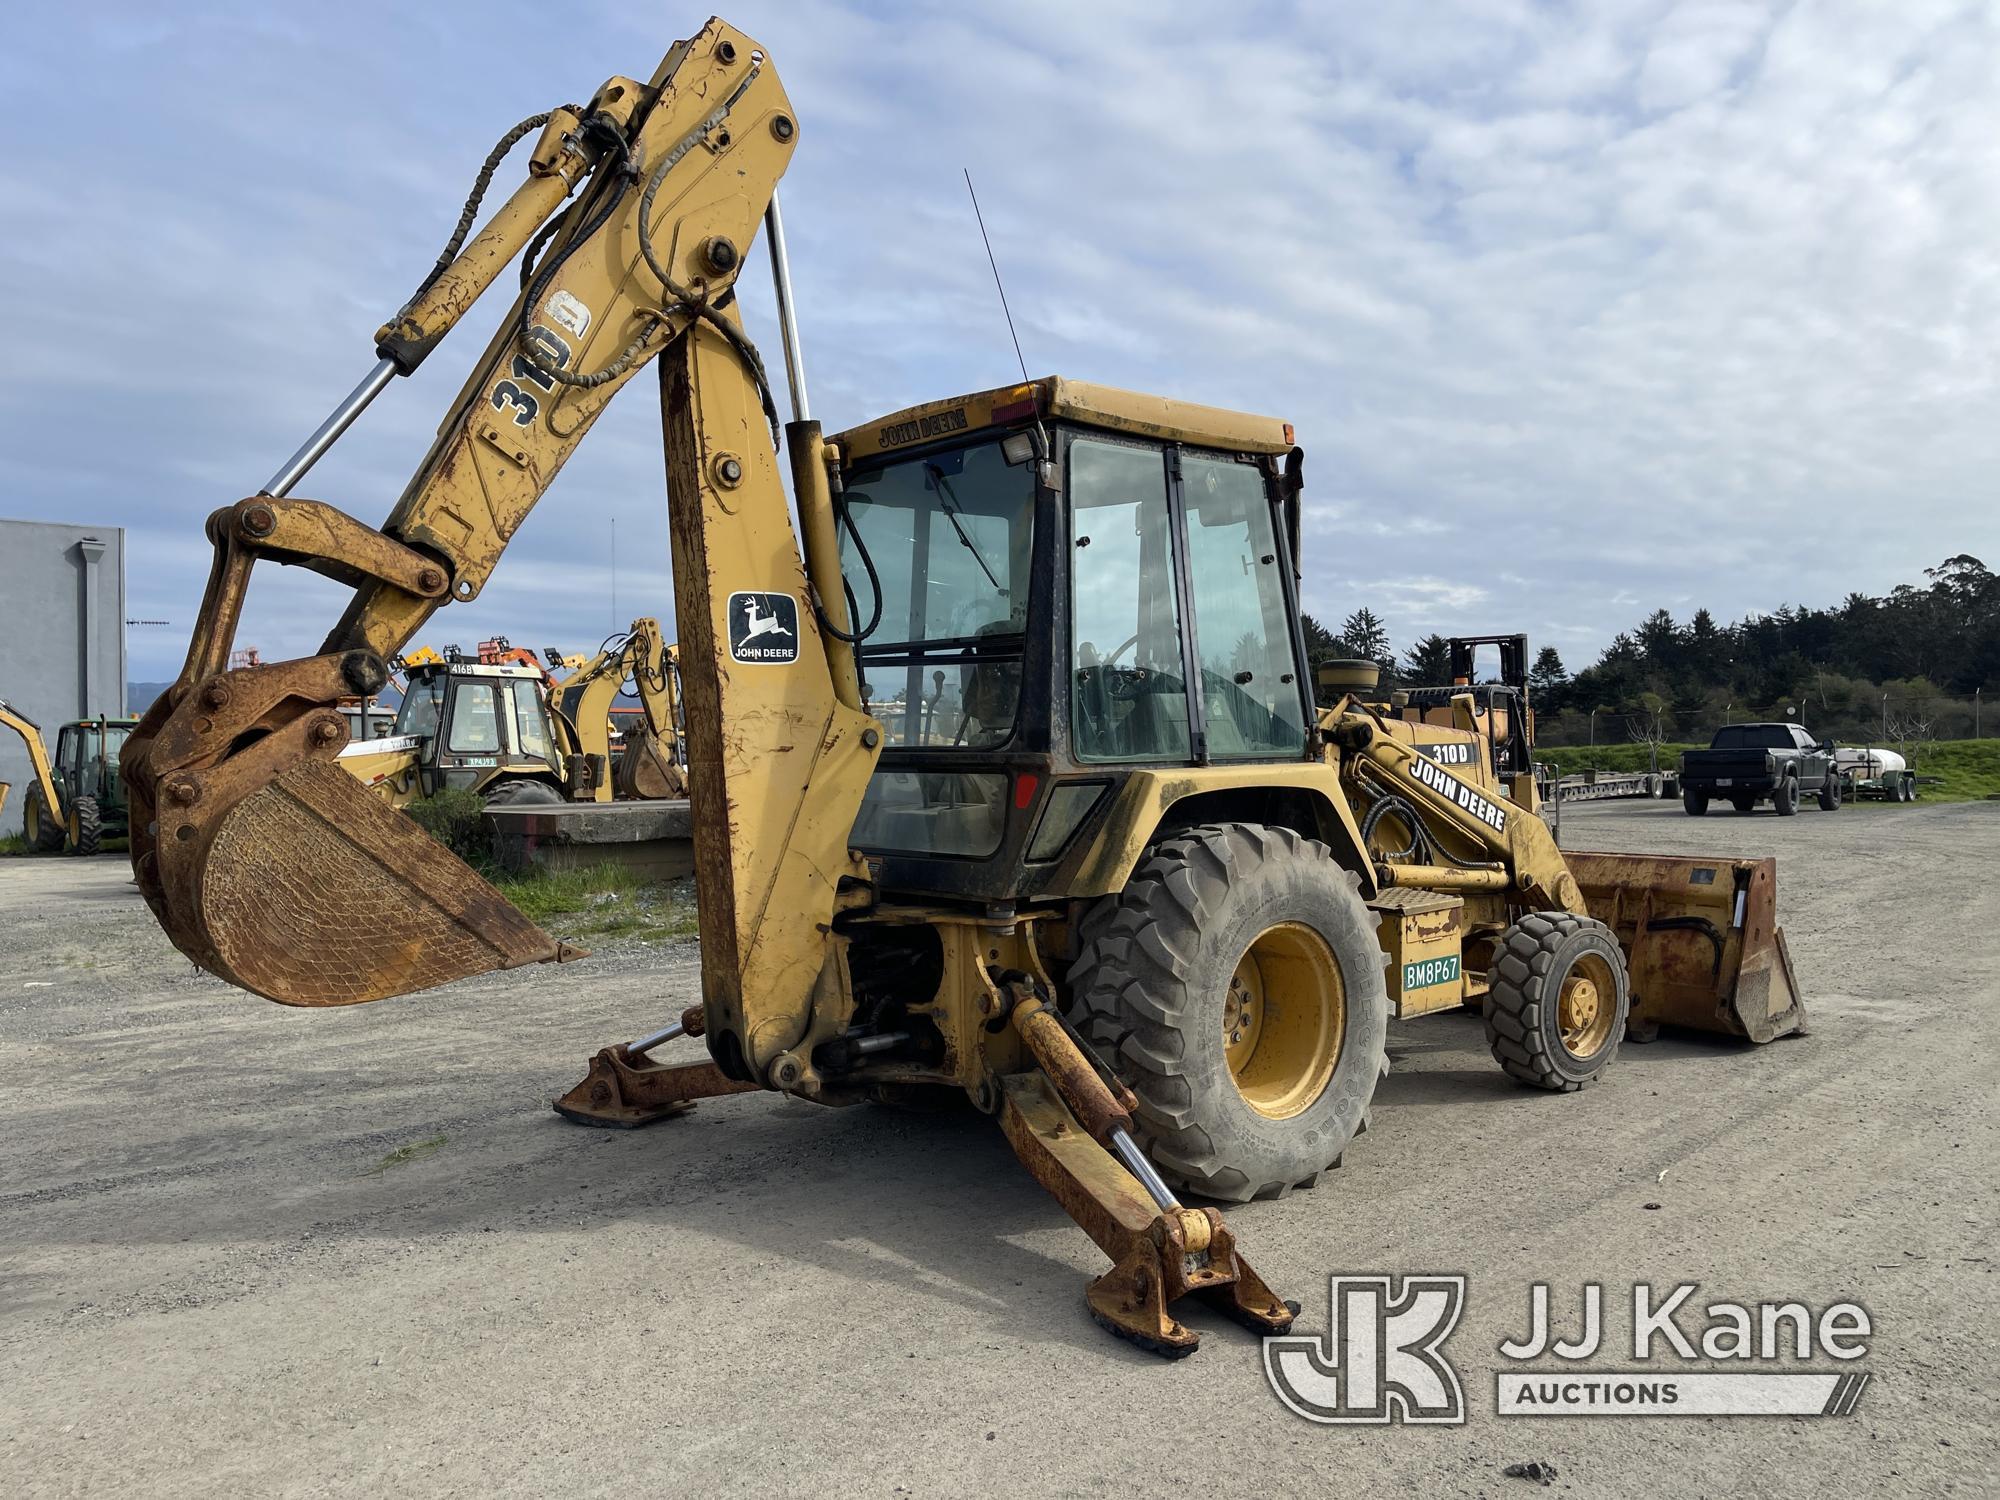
column 1130, row 641
column 1123, row 684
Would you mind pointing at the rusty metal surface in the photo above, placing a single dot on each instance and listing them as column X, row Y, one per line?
column 1083, row 1091
column 1691, row 962
column 1158, row 1257
column 617, row 1093
column 645, row 770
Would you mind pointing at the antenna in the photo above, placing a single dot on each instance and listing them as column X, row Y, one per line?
column 996, row 273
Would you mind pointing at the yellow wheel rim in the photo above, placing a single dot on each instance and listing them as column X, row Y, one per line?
column 31, row 823
column 1584, row 1009
column 1283, row 1020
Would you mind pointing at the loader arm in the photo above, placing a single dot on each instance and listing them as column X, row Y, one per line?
column 38, row 757
column 265, row 862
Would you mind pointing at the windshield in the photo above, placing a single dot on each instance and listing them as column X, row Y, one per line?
column 950, row 536
column 1753, row 737
column 418, row 714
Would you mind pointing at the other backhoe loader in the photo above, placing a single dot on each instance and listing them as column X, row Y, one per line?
column 647, row 763
column 1045, row 816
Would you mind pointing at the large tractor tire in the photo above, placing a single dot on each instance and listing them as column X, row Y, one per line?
column 86, row 826
column 1236, row 986
column 1785, row 800
column 1695, row 803
column 43, row 833
column 523, row 794
column 1556, row 1008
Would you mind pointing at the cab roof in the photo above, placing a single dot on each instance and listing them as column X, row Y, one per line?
column 1056, row 399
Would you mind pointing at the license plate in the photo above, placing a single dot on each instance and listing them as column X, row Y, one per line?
column 1723, row 781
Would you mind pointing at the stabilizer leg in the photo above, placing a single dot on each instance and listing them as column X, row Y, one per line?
column 1161, row 1251
column 622, row 1091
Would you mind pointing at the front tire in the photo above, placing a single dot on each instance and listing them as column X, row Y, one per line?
column 1829, row 793
column 1785, row 800
column 1559, row 999
column 1236, row 985
column 1696, row 803
column 86, row 826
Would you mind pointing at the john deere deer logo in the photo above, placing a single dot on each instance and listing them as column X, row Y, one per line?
column 763, row 628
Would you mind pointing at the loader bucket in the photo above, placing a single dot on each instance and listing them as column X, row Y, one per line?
column 1701, row 939
column 310, row 890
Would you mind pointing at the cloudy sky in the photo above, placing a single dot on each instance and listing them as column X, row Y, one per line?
column 1580, row 310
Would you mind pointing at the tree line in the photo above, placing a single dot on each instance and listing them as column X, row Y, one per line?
column 1912, row 663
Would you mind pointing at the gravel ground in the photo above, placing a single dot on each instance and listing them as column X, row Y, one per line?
column 248, row 1250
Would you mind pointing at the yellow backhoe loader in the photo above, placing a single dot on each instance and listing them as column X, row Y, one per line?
column 482, row 727
column 647, row 762
column 1045, row 816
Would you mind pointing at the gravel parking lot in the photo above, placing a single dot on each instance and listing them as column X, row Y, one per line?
column 249, row 1250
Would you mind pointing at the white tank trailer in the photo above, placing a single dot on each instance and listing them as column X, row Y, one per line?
column 1875, row 773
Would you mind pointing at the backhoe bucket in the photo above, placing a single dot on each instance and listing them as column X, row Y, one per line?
column 647, row 770
column 310, row 890
column 1701, row 939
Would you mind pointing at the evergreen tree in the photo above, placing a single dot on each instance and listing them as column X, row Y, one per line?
column 1428, row 662
column 1365, row 638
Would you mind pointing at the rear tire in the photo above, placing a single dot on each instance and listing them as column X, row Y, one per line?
column 1161, row 972
column 1785, row 800
column 1909, row 789
column 1544, row 1028
column 523, row 794
column 86, row 826
column 43, row 832
column 1743, row 804
column 1696, row 803
column 1829, row 793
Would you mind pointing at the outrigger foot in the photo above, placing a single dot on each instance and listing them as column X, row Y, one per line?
column 1161, row 1251
column 622, row 1091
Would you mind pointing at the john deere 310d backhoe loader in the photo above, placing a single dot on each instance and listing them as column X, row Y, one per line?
column 1044, row 815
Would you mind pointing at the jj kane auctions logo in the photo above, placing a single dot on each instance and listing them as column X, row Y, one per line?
column 1382, row 1358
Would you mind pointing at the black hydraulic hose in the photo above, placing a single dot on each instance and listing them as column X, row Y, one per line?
column 846, row 519
column 1392, row 804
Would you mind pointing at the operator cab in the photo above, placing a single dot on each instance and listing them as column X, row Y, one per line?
column 477, row 722
column 1058, row 584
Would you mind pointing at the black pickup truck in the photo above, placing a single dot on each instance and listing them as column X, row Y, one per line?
column 1751, row 763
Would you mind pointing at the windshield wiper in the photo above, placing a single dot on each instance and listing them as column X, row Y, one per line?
column 946, row 500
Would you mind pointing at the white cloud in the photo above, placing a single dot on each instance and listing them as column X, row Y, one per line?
column 1577, row 309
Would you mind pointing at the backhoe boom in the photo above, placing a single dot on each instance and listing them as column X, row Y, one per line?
column 263, row 860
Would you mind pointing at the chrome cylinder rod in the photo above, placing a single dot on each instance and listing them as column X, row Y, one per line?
column 646, row 1044
column 280, row 484
column 788, row 323
column 1136, row 1163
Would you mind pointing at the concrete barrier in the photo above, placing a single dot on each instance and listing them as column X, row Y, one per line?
column 655, row 838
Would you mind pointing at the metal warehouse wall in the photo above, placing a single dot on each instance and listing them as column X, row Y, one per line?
column 62, row 634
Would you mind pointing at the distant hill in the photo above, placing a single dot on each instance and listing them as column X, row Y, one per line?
column 139, row 696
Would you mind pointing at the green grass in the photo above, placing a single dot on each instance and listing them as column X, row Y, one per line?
column 403, row 1154
column 1947, row 771
column 1966, row 771
column 600, row 901
column 603, row 901
column 13, row 843
column 1575, row 758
